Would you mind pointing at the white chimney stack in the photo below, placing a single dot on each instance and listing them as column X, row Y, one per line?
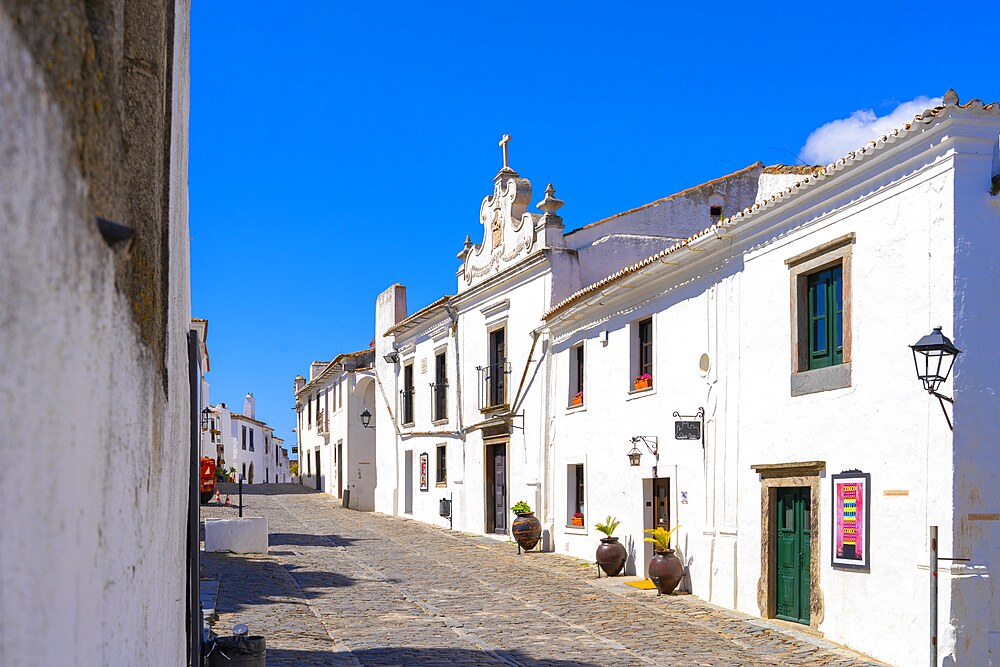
column 248, row 406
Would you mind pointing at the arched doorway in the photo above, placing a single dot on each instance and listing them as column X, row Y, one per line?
column 250, row 479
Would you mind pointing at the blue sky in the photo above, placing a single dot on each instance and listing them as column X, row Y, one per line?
column 339, row 148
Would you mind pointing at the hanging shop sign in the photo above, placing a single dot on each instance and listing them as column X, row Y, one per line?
column 851, row 519
column 423, row 471
column 687, row 430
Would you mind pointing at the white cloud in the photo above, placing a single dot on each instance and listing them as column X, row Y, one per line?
column 829, row 142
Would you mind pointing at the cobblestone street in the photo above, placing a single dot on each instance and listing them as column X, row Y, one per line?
column 341, row 587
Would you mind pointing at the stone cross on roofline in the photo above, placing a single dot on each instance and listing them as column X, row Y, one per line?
column 503, row 144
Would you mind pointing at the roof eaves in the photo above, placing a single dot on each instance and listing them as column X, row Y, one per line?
column 417, row 316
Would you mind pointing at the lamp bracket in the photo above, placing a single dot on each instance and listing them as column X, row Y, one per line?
column 653, row 448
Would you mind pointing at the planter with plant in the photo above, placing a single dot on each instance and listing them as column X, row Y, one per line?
column 665, row 569
column 644, row 381
column 611, row 554
column 578, row 399
column 526, row 529
column 577, row 519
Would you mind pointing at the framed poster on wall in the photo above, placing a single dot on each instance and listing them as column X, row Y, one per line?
column 423, row 471
column 851, row 519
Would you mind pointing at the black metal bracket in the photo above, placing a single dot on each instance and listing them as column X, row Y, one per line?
column 700, row 414
column 509, row 419
column 941, row 399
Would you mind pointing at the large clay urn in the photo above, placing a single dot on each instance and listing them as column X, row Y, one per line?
column 666, row 571
column 611, row 556
column 527, row 530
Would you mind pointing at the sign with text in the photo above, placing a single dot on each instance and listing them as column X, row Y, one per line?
column 687, row 430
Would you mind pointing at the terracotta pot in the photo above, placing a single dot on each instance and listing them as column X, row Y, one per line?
column 666, row 571
column 643, row 384
column 611, row 556
column 578, row 400
column 526, row 530
column 576, row 520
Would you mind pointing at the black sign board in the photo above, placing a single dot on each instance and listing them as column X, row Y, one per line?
column 687, row 430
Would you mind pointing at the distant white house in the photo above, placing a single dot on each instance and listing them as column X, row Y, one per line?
column 250, row 446
column 336, row 450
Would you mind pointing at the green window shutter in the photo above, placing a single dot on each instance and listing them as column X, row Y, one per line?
column 826, row 307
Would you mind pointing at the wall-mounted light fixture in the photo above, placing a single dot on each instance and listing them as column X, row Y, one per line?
column 652, row 444
column 205, row 418
column 933, row 356
column 392, row 357
column 366, row 419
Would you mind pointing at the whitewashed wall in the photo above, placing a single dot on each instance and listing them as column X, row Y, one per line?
column 92, row 551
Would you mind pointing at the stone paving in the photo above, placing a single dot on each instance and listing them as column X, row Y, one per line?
column 341, row 587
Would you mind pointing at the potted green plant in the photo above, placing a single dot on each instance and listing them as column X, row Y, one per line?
column 665, row 568
column 611, row 554
column 526, row 529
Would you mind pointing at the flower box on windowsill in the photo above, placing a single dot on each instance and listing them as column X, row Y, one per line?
column 577, row 521
column 577, row 400
column 643, row 384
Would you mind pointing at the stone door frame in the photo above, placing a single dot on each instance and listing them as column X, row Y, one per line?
column 772, row 477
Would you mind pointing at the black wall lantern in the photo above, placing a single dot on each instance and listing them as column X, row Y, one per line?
column 652, row 444
column 366, row 419
column 392, row 357
column 205, row 417
column 933, row 356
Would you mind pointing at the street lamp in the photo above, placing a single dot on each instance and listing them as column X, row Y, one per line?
column 933, row 356
column 366, row 419
column 205, row 418
column 652, row 444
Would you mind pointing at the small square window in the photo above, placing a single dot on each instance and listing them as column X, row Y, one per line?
column 715, row 212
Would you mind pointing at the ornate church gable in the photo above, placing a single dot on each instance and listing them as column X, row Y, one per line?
column 508, row 228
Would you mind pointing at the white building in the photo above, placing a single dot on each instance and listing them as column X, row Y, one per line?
column 250, row 447
column 336, row 451
column 779, row 335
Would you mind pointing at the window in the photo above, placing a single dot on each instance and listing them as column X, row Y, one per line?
column 496, row 389
column 407, row 394
column 251, row 439
column 715, row 212
column 244, row 436
column 642, row 354
column 575, row 495
column 440, row 387
column 309, row 411
column 825, row 313
column 441, row 471
column 267, row 445
column 576, row 375
column 821, row 317
column 317, row 406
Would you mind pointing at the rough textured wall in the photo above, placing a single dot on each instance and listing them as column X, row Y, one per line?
column 93, row 122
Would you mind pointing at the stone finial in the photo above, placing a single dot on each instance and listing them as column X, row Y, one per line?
column 466, row 248
column 550, row 204
column 950, row 98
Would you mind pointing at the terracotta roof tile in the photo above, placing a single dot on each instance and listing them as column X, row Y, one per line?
column 420, row 314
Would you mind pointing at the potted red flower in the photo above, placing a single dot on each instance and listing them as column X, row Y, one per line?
column 578, row 399
column 577, row 519
column 644, row 381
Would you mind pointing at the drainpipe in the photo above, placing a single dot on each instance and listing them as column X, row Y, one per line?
column 548, row 522
column 453, row 314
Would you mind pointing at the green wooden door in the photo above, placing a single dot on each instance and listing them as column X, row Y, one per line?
column 793, row 552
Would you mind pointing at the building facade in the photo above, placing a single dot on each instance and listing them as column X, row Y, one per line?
column 336, row 449
column 241, row 441
column 734, row 360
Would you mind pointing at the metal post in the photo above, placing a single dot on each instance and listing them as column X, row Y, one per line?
column 241, row 495
column 934, row 593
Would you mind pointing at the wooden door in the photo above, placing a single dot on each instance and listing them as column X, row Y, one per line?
column 340, row 469
column 319, row 475
column 496, row 489
column 792, row 554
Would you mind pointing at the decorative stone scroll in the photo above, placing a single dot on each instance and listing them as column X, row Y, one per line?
column 508, row 228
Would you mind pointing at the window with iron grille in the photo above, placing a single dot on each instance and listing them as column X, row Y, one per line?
column 440, row 387
column 407, row 394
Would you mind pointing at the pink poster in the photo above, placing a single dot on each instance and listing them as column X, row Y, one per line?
column 850, row 519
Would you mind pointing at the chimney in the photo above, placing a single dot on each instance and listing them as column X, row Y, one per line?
column 248, row 406
column 316, row 367
column 299, row 383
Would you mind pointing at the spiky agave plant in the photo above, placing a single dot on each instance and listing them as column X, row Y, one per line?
column 609, row 525
column 660, row 537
